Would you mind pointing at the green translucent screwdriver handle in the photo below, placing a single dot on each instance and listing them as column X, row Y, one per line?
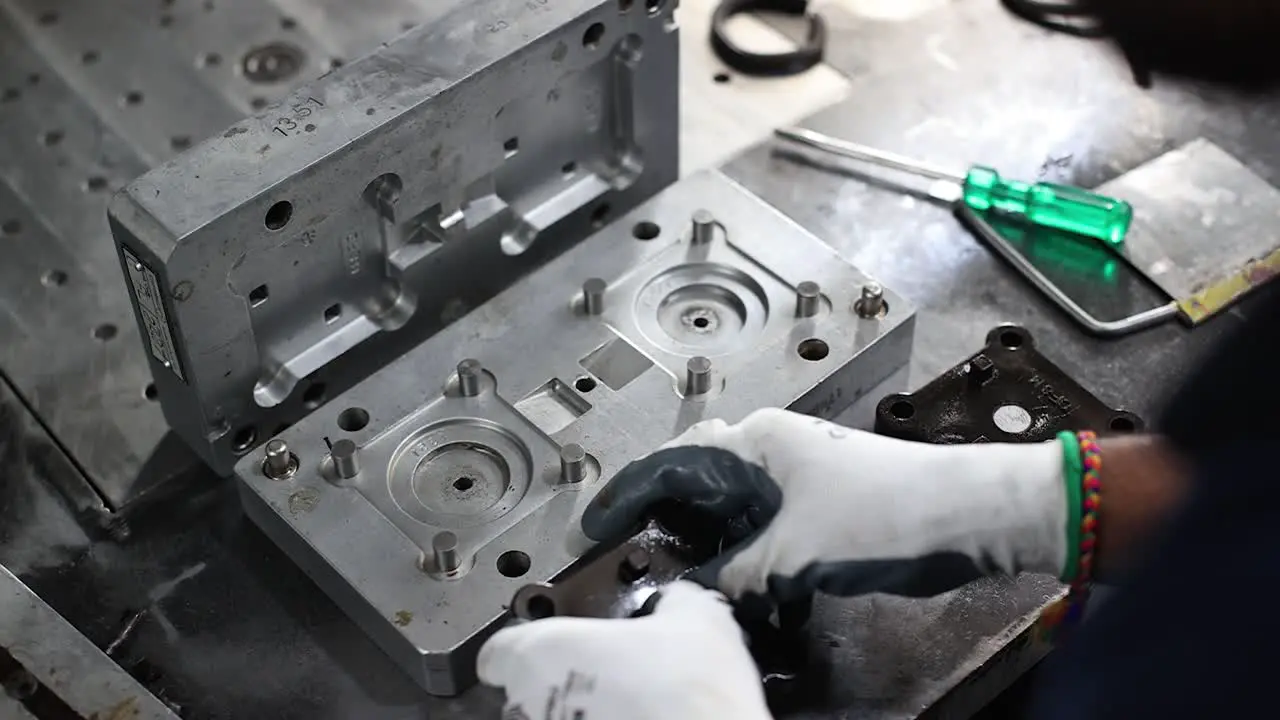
column 1049, row 205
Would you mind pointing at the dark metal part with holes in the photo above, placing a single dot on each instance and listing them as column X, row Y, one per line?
column 1007, row 392
column 626, row 581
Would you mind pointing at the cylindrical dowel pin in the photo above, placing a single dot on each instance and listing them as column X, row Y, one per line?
column 573, row 463
column 279, row 463
column 469, row 372
column 872, row 302
column 808, row 299
column 697, row 376
column 346, row 459
column 593, row 296
column 704, row 227
column 444, row 547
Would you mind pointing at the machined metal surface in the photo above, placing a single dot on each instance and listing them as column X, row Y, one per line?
column 498, row 468
column 1008, row 392
column 271, row 264
column 54, row 658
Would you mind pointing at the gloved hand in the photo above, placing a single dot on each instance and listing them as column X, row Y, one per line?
column 686, row 661
column 848, row 512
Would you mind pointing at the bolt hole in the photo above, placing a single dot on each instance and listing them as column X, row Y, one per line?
column 333, row 312
column 48, row 17
column 150, row 392
column 243, row 439
column 288, row 23
column 599, row 215
column 95, row 183
column 646, row 230
column 513, row 563
column 592, row 37
column 721, row 78
column 209, row 60
column 105, row 332
column 33, row 79
column 51, row 138
column 701, row 322
column 569, row 168
column 625, row 5
column 335, row 63
column 902, row 410
column 1011, row 339
column 464, row 483
column 353, row 419
column 258, row 103
column 511, row 146
column 540, row 607
column 584, row 384
column 314, row 396
column 813, row 350
column 53, row 278
column 1123, row 423
column 278, row 215
column 89, row 57
column 180, row 142
column 654, row 6
column 11, row 227
column 10, row 94
column 259, row 295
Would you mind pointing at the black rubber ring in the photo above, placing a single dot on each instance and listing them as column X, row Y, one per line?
column 768, row 64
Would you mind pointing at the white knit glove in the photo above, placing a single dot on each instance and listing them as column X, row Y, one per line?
column 848, row 512
column 685, row 661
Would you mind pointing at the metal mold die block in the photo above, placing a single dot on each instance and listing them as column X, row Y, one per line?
column 422, row 498
column 287, row 258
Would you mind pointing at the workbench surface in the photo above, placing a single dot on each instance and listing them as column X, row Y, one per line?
column 235, row 630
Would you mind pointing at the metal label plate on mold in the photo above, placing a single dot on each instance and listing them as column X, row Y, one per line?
column 148, row 297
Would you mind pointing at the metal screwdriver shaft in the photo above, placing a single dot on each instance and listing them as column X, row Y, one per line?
column 1046, row 204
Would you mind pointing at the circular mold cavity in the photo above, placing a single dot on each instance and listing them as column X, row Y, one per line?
column 460, row 473
column 703, row 309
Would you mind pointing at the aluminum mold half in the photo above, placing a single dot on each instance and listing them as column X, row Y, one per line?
column 478, row 450
column 269, row 264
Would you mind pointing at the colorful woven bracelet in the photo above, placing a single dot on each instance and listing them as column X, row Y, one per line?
column 1082, row 473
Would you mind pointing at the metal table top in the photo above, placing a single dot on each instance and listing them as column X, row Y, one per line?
column 233, row 629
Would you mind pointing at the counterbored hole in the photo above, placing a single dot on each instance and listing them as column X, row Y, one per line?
column 654, row 6
column 105, row 332
column 353, row 419
column 540, row 607
column 1011, row 339
column 591, row 38
column 569, row 168
column 333, row 312
column 243, row 439
column 314, row 396
column 53, row 278
column 584, row 384
column 278, row 215
column 513, row 563
column 646, row 230
column 150, row 392
column 464, row 483
column 813, row 350
column 1121, row 423
column 903, row 410
column 511, row 146
column 259, row 295
column 721, row 78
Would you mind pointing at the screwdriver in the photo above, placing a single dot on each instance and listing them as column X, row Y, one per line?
column 1045, row 204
